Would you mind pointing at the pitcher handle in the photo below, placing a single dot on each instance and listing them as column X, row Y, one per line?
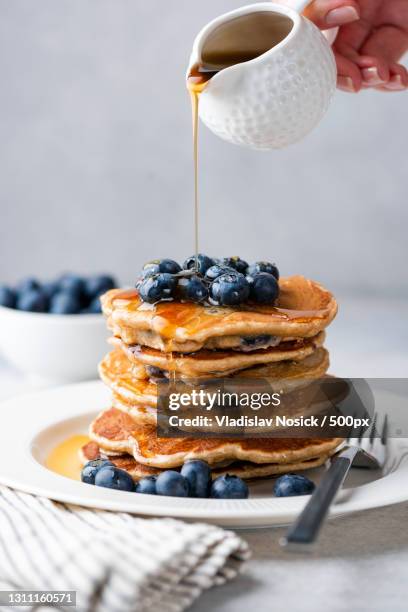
column 299, row 6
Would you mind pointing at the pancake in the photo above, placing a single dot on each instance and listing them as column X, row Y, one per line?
column 245, row 470
column 219, row 363
column 115, row 430
column 139, row 397
column 304, row 309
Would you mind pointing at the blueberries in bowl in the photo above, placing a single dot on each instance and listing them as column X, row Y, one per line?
column 7, row 297
column 198, row 474
column 229, row 487
column 65, row 302
column 32, row 300
column 69, row 294
column 230, row 289
column 290, row 485
column 95, row 286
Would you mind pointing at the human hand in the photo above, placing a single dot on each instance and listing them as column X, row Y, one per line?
column 372, row 38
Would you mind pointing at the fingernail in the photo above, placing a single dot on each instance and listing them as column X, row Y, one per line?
column 346, row 84
column 371, row 76
column 342, row 15
column 395, row 83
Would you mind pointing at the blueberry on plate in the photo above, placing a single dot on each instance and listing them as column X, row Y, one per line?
column 7, row 297
column 264, row 288
column 229, row 487
column 72, row 283
column 193, row 289
column 230, row 289
column 64, row 303
column 147, row 485
column 95, row 286
column 94, row 307
column 28, row 284
column 156, row 288
column 200, row 264
column 290, row 485
column 32, row 300
column 263, row 266
column 173, row 484
column 111, row 477
column 236, row 263
column 90, row 469
column 198, row 474
column 216, row 270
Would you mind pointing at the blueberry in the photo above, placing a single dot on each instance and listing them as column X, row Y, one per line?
column 198, row 474
column 111, row 477
column 255, row 341
column 28, row 284
column 72, row 283
column 32, row 300
column 7, row 297
column 95, row 286
column 50, row 288
column 230, row 289
column 147, row 485
column 193, row 289
column 216, row 271
column 263, row 266
column 264, row 288
column 65, row 302
column 229, row 487
column 89, row 470
column 155, row 372
column 293, row 484
column 160, row 266
column 236, row 263
column 156, row 288
column 94, row 307
column 201, row 263
column 173, row 484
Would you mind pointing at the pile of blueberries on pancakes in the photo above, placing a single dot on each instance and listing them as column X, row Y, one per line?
column 227, row 282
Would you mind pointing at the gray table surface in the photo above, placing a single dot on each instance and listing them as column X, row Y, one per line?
column 361, row 560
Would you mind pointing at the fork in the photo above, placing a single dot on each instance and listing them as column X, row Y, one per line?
column 366, row 452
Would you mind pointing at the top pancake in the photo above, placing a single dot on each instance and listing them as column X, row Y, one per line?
column 304, row 308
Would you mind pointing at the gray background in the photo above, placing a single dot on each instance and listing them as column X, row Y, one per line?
column 96, row 166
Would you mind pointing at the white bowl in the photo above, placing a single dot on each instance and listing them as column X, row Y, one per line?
column 50, row 348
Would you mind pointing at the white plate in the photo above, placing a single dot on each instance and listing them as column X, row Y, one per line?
column 34, row 424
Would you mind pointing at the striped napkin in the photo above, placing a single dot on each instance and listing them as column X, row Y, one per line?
column 115, row 562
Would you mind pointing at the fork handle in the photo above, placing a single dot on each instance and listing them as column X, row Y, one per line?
column 306, row 528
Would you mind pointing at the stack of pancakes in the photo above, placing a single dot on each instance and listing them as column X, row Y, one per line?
column 196, row 341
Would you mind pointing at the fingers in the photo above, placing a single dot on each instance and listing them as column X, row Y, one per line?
column 348, row 74
column 398, row 79
column 332, row 13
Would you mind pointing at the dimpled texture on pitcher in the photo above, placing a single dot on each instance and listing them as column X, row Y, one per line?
column 274, row 103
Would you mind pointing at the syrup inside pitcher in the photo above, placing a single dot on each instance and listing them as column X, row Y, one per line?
column 236, row 41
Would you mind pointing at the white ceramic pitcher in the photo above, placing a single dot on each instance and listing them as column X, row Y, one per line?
column 277, row 98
